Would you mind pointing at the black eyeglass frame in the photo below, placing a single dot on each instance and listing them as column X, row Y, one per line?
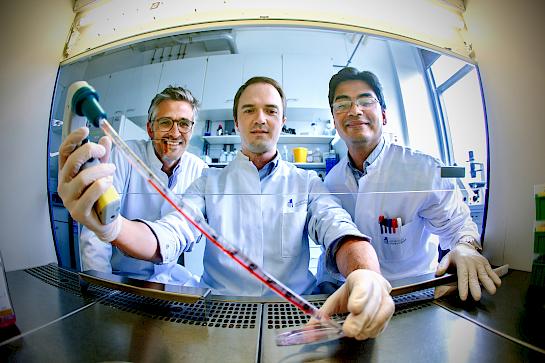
column 184, row 125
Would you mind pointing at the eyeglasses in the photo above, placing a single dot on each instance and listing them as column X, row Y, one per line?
column 166, row 123
column 343, row 106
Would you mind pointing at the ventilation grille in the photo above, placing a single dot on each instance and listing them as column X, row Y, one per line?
column 283, row 315
column 204, row 313
column 66, row 280
column 217, row 314
column 409, row 302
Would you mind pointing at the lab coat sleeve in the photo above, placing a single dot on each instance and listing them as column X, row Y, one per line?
column 94, row 254
column 328, row 222
column 446, row 215
column 175, row 235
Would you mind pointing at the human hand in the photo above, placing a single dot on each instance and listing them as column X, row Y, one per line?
column 471, row 268
column 366, row 296
column 79, row 190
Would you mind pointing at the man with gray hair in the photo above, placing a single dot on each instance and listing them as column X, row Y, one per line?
column 171, row 117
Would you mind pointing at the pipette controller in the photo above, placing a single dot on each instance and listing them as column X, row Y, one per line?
column 82, row 105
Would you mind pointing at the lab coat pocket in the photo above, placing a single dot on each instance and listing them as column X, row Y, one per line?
column 400, row 245
column 293, row 225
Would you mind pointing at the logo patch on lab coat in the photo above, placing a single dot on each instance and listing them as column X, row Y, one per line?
column 394, row 241
column 293, row 205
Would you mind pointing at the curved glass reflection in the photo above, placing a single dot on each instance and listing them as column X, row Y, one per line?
column 434, row 105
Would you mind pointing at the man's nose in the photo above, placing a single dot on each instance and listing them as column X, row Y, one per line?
column 354, row 109
column 175, row 130
column 261, row 117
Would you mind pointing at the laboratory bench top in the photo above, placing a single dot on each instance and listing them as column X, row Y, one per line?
column 57, row 321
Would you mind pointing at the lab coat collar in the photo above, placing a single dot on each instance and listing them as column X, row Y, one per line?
column 269, row 167
column 367, row 162
column 154, row 161
column 267, row 170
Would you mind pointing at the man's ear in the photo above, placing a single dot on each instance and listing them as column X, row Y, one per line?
column 236, row 124
column 384, row 120
column 334, row 121
column 284, row 119
column 149, row 129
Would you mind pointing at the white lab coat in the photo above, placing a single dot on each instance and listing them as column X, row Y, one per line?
column 407, row 184
column 268, row 220
column 140, row 200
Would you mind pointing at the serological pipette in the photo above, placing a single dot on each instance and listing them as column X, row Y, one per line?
column 87, row 104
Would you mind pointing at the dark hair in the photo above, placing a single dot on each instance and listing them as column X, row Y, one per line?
column 175, row 94
column 255, row 80
column 351, row 73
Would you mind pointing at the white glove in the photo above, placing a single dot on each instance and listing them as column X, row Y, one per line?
column 471, row 267
column 366, row 296
column 80, row 190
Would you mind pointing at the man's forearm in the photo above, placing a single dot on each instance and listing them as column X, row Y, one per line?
column 138, row 241
column 354, row 254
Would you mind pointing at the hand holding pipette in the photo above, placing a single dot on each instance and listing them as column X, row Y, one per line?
column 366, row 296
column 79, row 190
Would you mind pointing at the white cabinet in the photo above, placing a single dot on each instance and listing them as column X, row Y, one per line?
column 141, row 88
column 130, row 91
column 306, row 80
column 214, row 81
column 188, row 73
column 268, row 65
column 128, row 130
column 283, row 139
column 223, row 78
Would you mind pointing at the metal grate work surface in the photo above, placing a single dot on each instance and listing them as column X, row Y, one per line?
column 284, row 315
column 217, row 314
column 233, row 315
column 413, row 301
column 211, row 313
column 66, row 280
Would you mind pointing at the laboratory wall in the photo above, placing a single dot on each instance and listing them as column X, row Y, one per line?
column 32, row 38
column 507, row 38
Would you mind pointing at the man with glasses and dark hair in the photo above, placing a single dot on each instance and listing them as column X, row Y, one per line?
column 264, row 206
column 171, row 117
column 397, row 196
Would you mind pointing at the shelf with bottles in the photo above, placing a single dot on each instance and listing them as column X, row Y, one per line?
column 312, row 166
column 538, row 266
column 539, row 194
column 284, row 139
